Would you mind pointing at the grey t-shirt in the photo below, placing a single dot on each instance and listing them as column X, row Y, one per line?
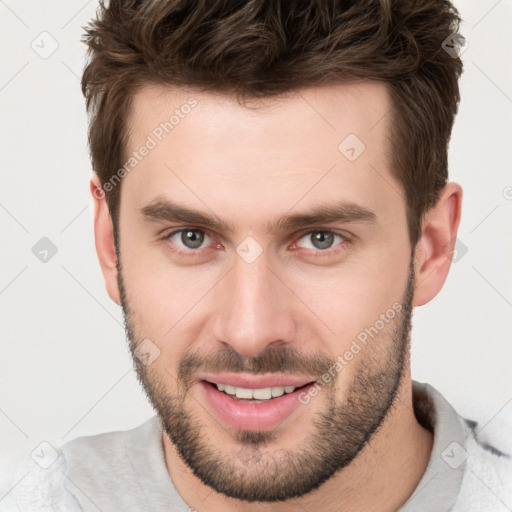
column 120, row 471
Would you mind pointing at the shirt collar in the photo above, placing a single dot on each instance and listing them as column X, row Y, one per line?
column 440, row 485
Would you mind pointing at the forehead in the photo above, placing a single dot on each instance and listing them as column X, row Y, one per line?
column 308, row 146
column 359, row 107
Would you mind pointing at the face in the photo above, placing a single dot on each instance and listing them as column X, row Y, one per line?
column 265, row 268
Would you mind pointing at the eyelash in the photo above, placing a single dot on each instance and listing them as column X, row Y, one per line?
column 311, row 252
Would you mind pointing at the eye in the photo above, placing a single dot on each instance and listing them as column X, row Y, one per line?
column 320, row 240
column 189, row 238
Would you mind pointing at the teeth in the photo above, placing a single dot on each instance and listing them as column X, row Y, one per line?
column 256, row 394
column 230, row 390
column 243, row 393
column 278, row 391
column 262, row 394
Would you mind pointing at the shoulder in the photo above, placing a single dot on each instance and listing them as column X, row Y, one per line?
column 108, row 446
column 92, row 449
column 487, row 481
column 89, row 459
column 82, row 467
column 38, row 488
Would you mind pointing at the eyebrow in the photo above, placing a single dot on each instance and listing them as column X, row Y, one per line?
column 165, row 210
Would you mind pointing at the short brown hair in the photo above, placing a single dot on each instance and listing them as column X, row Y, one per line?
column 258, row 48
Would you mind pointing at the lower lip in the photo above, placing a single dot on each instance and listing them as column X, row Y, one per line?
column 252, row 416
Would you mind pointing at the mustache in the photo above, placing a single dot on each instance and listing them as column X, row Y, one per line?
column 273, row 360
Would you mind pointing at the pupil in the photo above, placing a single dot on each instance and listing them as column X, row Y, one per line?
column 322, row 239
column 192, row 239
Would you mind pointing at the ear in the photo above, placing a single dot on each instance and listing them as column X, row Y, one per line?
column 435, row 248
column 104, row 238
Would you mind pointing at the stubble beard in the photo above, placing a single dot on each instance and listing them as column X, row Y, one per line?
column 339, row 433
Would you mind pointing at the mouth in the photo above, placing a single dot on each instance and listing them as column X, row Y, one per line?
column 252, row 403
column 255, row 395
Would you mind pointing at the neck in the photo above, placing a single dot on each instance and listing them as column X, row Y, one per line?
column 381, row 478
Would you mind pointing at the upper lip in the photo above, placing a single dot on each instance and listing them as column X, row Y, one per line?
column 251, row 381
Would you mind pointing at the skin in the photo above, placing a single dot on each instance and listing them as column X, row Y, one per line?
column 247, row 165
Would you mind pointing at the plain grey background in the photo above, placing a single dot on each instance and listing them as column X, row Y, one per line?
column 65, row 368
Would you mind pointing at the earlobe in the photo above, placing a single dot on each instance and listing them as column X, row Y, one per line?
column 104, row 239
column 435, row 248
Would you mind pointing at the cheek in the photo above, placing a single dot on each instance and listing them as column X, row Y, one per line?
column 353, row 296
column 164, row 299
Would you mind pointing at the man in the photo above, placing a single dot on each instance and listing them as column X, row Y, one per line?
column 271, row 203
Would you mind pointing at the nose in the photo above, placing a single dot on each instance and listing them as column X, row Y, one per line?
column 255, row 309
